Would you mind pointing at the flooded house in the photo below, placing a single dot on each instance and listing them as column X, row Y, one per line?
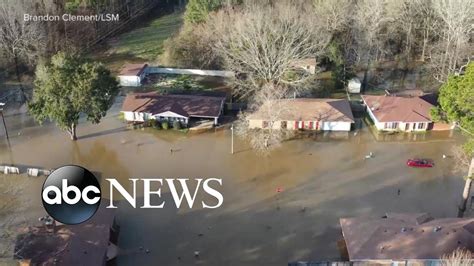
column 307, row 114
column 132, row 75
column 405, row 236
column 91, row 243
column 140, row 107
column 394, row 113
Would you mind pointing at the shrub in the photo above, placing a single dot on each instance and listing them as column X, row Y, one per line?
column 177, row 125
column 164, row 125
column 156, row 124
column 121, row 116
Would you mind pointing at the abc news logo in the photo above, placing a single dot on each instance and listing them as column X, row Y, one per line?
column 71, row 194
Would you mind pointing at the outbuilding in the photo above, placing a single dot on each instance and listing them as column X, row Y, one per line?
column 354, row 85
column 132, row 75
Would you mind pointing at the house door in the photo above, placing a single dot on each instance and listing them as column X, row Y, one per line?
column 407, row 126
column 296, row 125
column 310, row 126
column 317, row 125
column 414, row 126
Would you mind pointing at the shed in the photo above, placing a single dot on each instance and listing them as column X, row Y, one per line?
column 133, row 74
column 354, row 85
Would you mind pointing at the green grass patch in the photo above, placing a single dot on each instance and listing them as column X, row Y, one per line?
column 146, row 42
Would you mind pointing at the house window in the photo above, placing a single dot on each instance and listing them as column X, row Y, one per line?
column 391, row 125
column 421, row 125
column 264, row 124
column 284, row 125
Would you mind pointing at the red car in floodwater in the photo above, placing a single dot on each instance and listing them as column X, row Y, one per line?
column 420, row 163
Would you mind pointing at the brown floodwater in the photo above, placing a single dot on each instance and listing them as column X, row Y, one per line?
column 321, row 179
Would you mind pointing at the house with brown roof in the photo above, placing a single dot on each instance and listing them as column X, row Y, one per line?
column 140, row 107
column 305, row 114
column 133, row 74
column 91, row 243
column 393, row 113
column 405, row 236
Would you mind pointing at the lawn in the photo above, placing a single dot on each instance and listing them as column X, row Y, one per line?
column 147, row 42
column 144, row 43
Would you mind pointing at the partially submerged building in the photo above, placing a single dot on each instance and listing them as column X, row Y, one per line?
column 306, row 114
column 140, row 107
column 393, row 113
column 133, row 75
column 91, row 243
column 405, row 236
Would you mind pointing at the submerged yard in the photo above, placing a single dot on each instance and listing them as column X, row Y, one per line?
column 280, row 208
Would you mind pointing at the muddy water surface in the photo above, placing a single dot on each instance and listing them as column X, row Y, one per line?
column 320, row 180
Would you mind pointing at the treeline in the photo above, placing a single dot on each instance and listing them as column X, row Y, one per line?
column 23, row 43
column 437, row 34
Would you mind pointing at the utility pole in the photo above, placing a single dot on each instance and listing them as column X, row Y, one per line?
column 467, row 190
column 3, row 119
column 232, row 139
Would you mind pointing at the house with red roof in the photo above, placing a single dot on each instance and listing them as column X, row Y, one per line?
column 140, row 107
column 304, row 114
column 393, row 113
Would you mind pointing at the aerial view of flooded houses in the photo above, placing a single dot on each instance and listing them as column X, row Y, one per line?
column 325, row 132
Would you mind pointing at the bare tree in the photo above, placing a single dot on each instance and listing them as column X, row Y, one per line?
column 269, row 105
column 427, row 22
column 334, row 15
column 22, row 41
column 456, row 28
column 370, row 21
column 460, row 257
column 261, row 41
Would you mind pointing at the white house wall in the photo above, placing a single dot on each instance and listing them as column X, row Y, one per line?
column 200, row 72
column 336, row 126
column 169, row 114
column 130, row 81
column 326, row 126
column 136, row 116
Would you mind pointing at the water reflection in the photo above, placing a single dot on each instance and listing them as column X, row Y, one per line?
column 279, row 208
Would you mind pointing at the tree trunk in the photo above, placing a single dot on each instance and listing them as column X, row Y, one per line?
column 17, row 72
column 72, row 132
column 467, row 189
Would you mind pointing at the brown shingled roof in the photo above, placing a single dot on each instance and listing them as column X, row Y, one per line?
column 86, row 243
column 133, row 69
column 398, row 109
column 405, row 236
column 185, row 105
column 311, row 109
